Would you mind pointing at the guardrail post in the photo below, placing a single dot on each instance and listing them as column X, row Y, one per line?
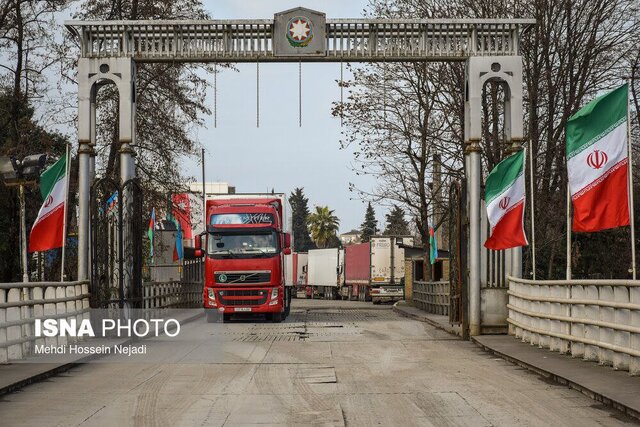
column 545, row 324
column 3, row 331
column 578, row 329
column 634, row 298
column 38, row 310
column 622, row 316
column 50, row 311
column 592, row 332
column 14, row 332
column 606, row 334
column 61, row 308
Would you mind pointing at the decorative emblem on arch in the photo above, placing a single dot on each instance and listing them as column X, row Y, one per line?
column 597, row 159
column 299, row 31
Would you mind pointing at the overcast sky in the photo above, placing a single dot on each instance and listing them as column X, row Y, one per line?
column 279, row 154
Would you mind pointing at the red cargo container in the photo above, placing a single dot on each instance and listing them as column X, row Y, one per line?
column 358, row 270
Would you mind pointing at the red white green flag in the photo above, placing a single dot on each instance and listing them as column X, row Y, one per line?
column 48, row 229
column 505, row 197
column 598, row 163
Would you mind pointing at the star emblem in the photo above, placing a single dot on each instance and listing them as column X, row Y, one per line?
column 299, row 29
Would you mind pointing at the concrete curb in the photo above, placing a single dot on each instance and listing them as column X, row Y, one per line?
column 58, row 369
column 398, row 309
column 562, row 380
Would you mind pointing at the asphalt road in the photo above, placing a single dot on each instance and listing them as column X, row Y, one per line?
column 330, row 363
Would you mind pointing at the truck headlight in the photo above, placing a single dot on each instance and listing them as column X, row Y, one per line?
column 274, row 293
column 211, row 294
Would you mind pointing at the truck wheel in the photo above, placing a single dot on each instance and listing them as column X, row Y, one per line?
column 287, row 308
column 276, row 317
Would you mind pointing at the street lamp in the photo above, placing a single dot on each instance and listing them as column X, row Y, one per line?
column 18, row 173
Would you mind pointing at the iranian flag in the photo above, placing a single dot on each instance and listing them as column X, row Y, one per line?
column 48, row 229
column 598, row 163
column 504, row 197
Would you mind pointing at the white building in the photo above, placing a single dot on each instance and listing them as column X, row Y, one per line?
column 350, row 238
column 212, row 188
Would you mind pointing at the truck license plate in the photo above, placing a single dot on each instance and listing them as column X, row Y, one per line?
column 242, row 309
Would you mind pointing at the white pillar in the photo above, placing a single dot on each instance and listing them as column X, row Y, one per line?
column 85, row 151
column 479, row 70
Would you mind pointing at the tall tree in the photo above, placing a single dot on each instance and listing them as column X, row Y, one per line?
column 323, row 225
column 300, row 212
column 577, row 49
column 370, row 225
column 396, row 224
column 27, row 30
column 170, row 102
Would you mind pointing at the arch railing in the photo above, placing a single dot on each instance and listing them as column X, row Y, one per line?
column 251, row 40
column 596, row 320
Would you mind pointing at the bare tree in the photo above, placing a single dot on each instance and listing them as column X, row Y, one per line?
column 577, row 49
column 170, row 102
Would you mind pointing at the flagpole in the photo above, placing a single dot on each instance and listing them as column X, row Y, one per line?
column 66, row 204
column 533, row 212
column 568, row 230
column 631, row 207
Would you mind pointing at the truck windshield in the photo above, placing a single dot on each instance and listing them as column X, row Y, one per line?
column 242, row 245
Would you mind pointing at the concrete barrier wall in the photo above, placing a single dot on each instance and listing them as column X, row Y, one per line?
column 432, row 297
column 596, row 320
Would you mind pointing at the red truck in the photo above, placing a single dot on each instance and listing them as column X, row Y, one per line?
column 245, row 247
column 375, row 270
column 357, row 270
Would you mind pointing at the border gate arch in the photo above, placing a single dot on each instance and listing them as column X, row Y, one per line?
column 111, row 49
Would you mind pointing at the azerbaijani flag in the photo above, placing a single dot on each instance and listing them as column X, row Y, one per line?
column 598, row 163
column 48, row 229
column 152, row 227
column 505, row 197
column 433, row 246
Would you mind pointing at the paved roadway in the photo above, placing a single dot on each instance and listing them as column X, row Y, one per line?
column 330, row 363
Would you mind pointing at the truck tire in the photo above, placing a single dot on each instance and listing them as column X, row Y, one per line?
column 276, row 317
column 287, row 309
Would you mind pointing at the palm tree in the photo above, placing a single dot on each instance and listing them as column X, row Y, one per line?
column 323, row 225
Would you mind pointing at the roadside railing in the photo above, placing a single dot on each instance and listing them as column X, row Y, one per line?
column 596, row 320
column 432, row 297
column 22, row 303
column 175, row 294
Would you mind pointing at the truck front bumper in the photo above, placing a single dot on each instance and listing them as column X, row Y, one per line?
column 384, row 293
column 243, row 300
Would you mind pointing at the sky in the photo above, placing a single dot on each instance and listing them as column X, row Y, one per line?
column 279, row 154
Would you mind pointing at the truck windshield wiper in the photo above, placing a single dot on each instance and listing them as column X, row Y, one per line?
column 262, row 251
column 225, row 252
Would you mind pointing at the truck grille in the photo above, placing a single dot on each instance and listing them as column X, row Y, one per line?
column 242, row 277
column 243, row 297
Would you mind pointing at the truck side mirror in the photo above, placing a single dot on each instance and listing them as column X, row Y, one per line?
column 287, row 240
column 198, row 253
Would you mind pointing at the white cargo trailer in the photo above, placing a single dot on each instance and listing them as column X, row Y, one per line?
column 387, row 267
column 325, row 272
